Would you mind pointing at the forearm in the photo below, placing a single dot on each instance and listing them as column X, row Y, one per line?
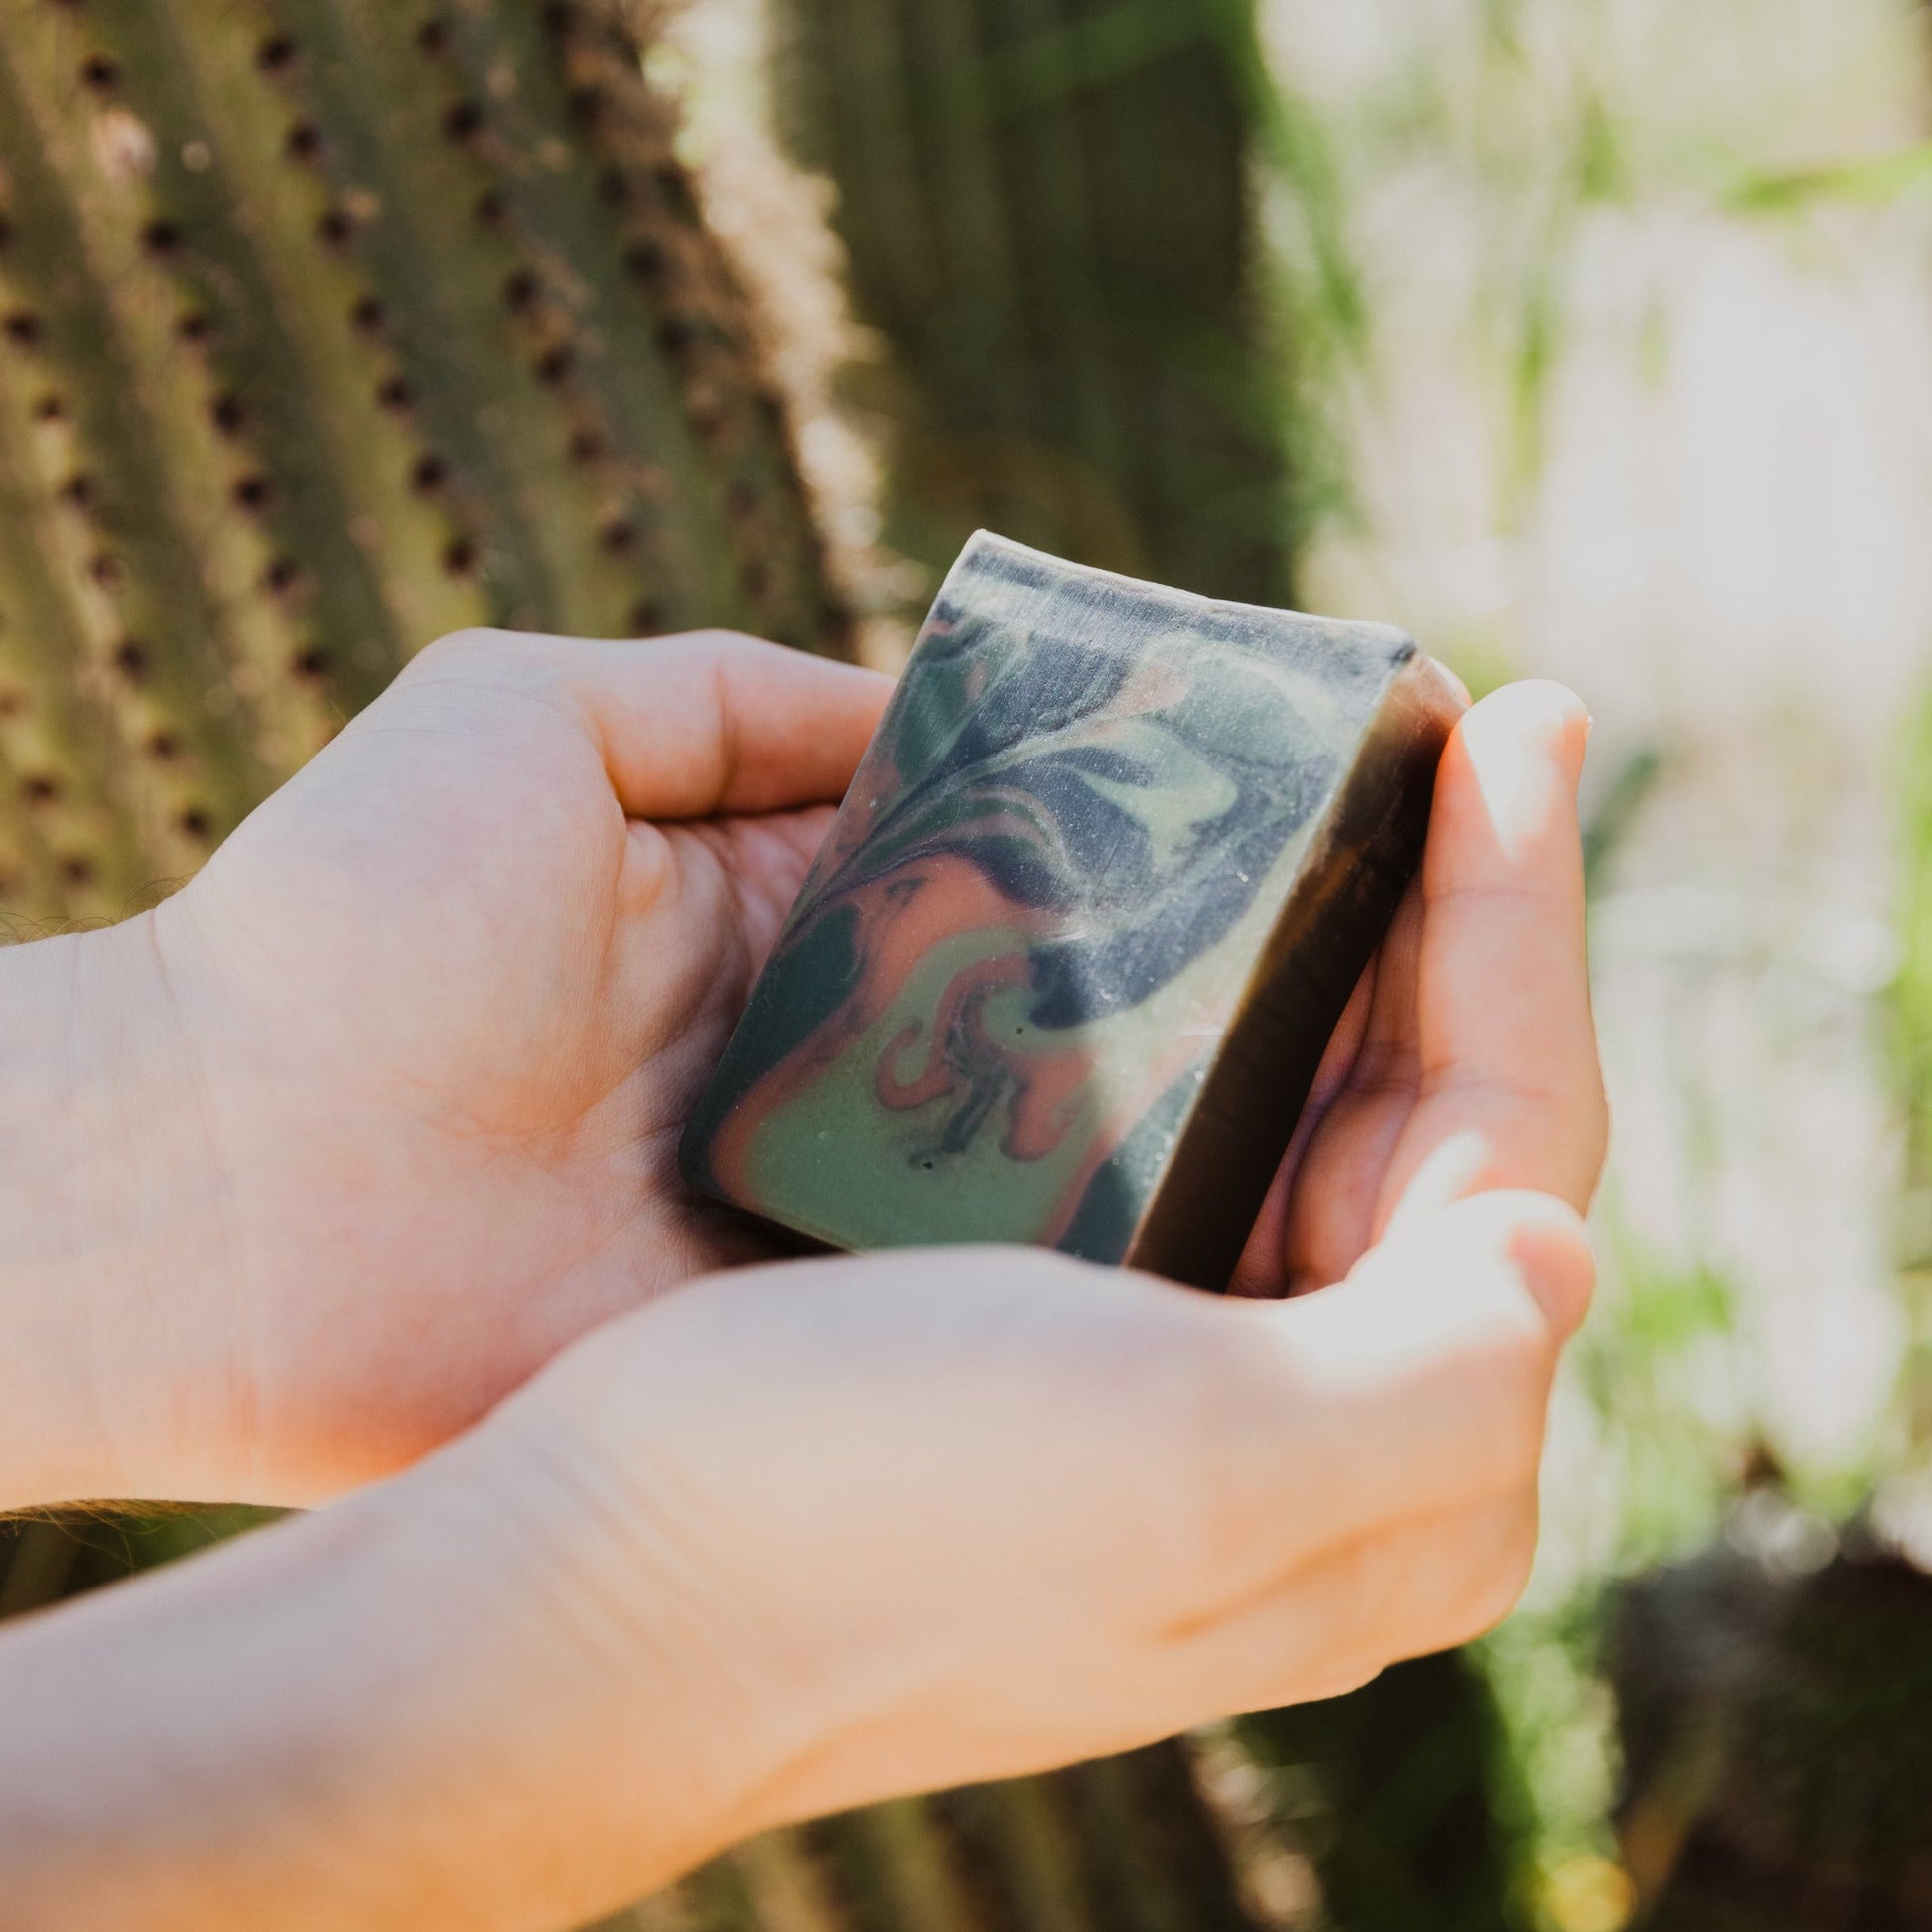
column 407, row 1710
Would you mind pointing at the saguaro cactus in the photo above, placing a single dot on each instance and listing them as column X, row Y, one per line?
column 326, row 325
column 1048, row 208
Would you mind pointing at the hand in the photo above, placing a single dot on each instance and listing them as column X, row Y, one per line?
column 456, row 988
column 904, row 1522
column 1467, row 1060
column 424, row 1034
column 796, row 1538
column 781, row 1543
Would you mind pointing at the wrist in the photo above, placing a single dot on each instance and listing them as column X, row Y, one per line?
column 114, row 1377
column 415, row 1706
column 525, row 1742
column 662, row 1737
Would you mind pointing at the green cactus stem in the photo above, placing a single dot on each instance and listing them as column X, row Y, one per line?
column 1127, row 1844
column 1406, row 1801
column 326, row 327
column 1050, row 214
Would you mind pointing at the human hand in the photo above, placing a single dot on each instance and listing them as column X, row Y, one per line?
column 781, row 1543
column 390, row 1094
column 913, row 1529
column 1467, row 1060
column 419, row 1043
column 913, row 1521
column 796, row 1537
column 454, row 989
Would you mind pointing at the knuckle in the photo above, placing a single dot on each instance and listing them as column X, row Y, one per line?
column 720, row 643
column 1525, row 1352
column 1515, row 1364
column 1507, row 1453
column 482, row 649
column 457, row 648
column 1523, row 1428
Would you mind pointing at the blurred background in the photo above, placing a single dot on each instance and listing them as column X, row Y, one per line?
column 1588, row 339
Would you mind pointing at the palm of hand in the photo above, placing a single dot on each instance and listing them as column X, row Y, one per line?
column 455, row 1002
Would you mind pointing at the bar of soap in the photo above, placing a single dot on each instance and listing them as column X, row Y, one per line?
column 1068, row 962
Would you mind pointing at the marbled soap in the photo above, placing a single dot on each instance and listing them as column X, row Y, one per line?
column 1069, row 961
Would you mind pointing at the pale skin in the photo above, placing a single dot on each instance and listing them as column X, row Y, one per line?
column 349, row 1175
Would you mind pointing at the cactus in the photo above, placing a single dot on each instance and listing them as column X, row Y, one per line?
column 326, row 325
column 1127, row 1844
column 1050, row 214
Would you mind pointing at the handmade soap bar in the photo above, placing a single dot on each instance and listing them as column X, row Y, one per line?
column 1067, row 965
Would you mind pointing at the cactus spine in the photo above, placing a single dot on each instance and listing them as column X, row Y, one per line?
column 326, row 325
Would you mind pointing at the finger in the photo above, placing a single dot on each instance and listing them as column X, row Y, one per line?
column 719, row 723
column 710, row 723
column 1336, row 1188
column 1266, row 1270
column 1413, row 1515
column 1510, row 1093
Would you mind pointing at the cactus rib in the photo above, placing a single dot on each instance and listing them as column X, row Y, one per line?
column 124, row 492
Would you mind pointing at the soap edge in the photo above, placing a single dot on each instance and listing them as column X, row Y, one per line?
column 1359, row 631
column 1217, row 1180
column 693, row 1145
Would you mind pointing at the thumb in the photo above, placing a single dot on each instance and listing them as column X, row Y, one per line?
column 1508, row 1244
column 1511, row 1093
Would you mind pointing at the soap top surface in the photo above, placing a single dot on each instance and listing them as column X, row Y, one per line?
column 1038, row 912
